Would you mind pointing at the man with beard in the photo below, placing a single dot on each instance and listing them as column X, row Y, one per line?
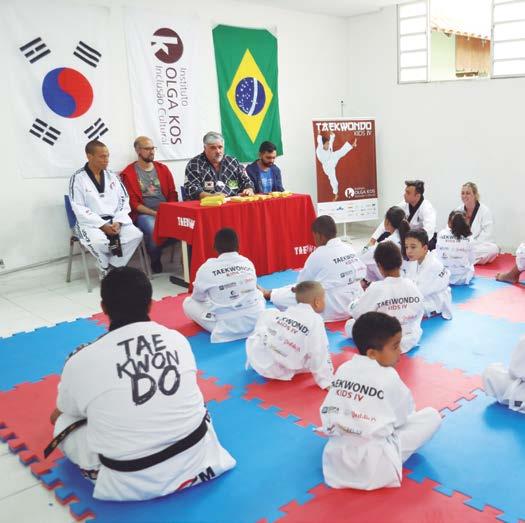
column 149, row 183
column 264, row 174
column 213, row 172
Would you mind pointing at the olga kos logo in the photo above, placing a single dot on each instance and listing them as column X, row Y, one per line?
column 167, row 45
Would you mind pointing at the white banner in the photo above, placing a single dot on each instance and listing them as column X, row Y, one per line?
column 162, row 60
column 56, row 62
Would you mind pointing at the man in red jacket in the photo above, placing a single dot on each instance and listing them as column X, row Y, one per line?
column 148, row 183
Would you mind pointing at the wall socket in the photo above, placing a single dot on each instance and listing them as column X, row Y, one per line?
column 2, row 264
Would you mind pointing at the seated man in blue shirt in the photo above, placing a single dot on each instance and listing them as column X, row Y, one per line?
column 264, row 174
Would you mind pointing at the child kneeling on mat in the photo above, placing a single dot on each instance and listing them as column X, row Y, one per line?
column 294, row 341
column 369, row 412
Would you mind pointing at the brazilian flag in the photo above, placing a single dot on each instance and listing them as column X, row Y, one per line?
column 246, row 61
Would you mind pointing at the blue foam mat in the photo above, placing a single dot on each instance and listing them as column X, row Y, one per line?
column 489, row 463
column 278, row 279
column 277, row 461
column 30, row 356
column 226, row 361
column 478, row 287
column 469, row 341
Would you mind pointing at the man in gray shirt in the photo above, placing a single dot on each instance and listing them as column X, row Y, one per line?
column 149, row 183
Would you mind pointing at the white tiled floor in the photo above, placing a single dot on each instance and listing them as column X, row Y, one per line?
column 41, row 297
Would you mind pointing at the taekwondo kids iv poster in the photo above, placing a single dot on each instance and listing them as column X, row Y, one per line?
column 345, row 160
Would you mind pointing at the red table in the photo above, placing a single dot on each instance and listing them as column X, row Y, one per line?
column 275, row 234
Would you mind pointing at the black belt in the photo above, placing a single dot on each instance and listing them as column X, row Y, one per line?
column 62, row 436
column 133, row 465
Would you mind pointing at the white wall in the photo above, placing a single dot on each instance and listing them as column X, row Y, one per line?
column 312, row 81
column 445, row 133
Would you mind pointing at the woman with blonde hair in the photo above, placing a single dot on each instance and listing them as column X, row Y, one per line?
column 479, row 217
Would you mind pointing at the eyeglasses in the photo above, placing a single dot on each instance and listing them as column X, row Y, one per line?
column 148, row 148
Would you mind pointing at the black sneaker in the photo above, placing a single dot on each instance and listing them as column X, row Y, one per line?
column 156, row 267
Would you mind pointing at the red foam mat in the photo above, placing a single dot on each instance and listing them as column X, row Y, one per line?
column 507, row 303
column 25, row 411
column 167, row 312
column 412, row 502
column 432, row 385
column 501, row 263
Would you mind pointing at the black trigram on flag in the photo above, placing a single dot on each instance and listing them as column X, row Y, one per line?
column 87, row 54
column 44, row 131
column 34, row 50
column 95, row 131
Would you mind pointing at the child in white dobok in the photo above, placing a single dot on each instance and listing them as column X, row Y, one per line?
column 294, row 341
column 428, row 273
column 225, row 299
column 369, row 412
column 335, row 265
column 508, row 385
column 396, row 225
column 455, row 249
column 393, row 295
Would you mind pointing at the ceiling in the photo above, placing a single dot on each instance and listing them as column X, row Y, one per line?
column 330, row 7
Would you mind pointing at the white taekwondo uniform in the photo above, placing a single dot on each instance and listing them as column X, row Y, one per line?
column 329, row 159
column 398, row 297
column 225, row 299
column 290, row 342
column 138, row 389
column 508, row 385
column 367, row 257
column 433, row 281
column 456, row 255
column 423, row 218
column 338, row 269
column 90, row 203
column 372, row 426
column 520, row 257
column 482, row 234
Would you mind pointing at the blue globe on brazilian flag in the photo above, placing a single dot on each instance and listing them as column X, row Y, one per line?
column 246, row 61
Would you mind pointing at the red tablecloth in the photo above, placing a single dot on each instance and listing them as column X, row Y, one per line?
column 275, row 234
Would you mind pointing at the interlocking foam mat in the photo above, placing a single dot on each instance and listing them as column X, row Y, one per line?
column 470, row 471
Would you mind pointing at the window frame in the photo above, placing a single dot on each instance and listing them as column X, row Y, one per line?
column 496, row 3
column 428, row 50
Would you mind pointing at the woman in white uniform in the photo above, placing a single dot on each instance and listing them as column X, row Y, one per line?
column 481, row 224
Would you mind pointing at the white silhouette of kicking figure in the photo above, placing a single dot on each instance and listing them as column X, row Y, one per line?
column 329, row 158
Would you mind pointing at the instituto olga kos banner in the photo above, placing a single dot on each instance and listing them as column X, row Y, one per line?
column 345, row 160
column 165, row 91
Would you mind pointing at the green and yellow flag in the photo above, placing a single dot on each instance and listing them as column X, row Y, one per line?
column 246, row 61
